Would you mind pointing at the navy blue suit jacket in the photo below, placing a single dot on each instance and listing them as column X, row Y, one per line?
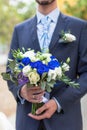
column 25, row 35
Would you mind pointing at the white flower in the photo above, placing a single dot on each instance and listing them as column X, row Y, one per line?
column 54, row 73
column 33, row 77
column 69, row 37
column 58, row 71
column 17, row 70
column 65, row 67
column 30, row 54
column 44, row 62
column 26, row 70
column 47, row 56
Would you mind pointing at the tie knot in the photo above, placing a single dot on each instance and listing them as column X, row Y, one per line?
column 46, row 20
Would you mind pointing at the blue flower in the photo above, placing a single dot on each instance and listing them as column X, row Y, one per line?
column 26, row 61
column 53, row 64
column 53, row 57
column 35, row 64
column 21, row 66
column 42, row 69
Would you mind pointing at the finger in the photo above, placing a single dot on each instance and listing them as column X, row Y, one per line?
column 38, row 117
column 35, row 92
column 38, row 96
column 38, row 91
column 34, row 88
column 41, row 109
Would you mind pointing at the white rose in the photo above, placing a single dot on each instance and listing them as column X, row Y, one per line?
column 58, row 71
column 47, row 56
column 33, row 77
column 69, row 37
column 48, row 59
column 65, row 67
column 52, row 74
column 44, row 62
column 26, row 70
column 30, row 54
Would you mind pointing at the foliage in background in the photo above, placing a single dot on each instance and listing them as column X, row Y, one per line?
column 26, row 10
column 10, row 15
column 79, row 9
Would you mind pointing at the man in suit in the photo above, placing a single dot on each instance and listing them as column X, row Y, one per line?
column 63, row 110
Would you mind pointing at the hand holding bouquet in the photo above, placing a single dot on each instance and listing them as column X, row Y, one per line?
column 37, row 69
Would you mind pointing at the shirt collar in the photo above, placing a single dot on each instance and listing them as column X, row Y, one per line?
column 53, row 15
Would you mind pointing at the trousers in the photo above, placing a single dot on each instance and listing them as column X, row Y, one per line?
column 42, row 126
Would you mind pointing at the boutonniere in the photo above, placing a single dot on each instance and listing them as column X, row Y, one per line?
column 66, row 37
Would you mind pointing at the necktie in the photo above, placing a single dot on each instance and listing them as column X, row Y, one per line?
column 45, row 33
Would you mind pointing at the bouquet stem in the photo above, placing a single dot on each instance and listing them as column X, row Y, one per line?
column 35, row 106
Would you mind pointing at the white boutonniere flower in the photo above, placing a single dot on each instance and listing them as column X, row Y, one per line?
column 67, row 37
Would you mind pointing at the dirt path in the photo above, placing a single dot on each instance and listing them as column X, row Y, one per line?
column 7, row 102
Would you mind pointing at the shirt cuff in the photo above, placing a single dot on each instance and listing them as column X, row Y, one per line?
column 59, row 108
column 22, row 100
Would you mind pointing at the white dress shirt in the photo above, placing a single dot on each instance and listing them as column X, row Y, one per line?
column 54, row 18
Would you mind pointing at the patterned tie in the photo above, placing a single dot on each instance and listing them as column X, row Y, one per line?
column 45, row 33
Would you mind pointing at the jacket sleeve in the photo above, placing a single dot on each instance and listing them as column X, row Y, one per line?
column 71, row 95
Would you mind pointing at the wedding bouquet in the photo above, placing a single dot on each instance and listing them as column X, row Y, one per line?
column 37, row 69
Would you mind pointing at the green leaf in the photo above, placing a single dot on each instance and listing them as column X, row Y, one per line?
column 53, row 82
column 68, row 81
column 23, row 49
column 49, row 79
column 50, row 84
column 43, row 76
column 12, row 64
column 43, row 85
column 48, row 89
column 6, row 76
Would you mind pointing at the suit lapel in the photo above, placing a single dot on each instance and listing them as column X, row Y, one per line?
column 61, row 26
column 34, row 37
